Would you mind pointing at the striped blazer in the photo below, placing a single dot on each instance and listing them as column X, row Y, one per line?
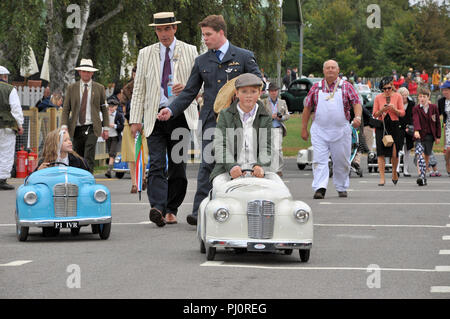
column 146, row 93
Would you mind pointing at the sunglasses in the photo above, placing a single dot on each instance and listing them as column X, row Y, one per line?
column 387, row 88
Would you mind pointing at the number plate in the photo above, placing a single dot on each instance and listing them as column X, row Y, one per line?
column 260, row 247
column 59, row 225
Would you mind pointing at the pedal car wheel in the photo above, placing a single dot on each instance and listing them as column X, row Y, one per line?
column 211, row 253
column 202, row 247
column 301, row 166
column 95, row 228
column 50, row 232
column 104, row 230
column 119, row 175
column 22, row 233
column 75, row 231
column 304, row 255
column 370, row 169
column 288, row 252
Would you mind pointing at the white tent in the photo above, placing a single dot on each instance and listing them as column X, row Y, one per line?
column 29, row 65
column 126, row 68
column 45, row 72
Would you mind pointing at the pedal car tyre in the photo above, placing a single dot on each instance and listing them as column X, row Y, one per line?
column 75, row 231
column 22, row 233
column 301, row 166
column 304, row 255
column 210, row 253
column 119, row 175
column 50, row 232
column 288, row 252
column 95, row 228
column 104, row 231
column 202, row 247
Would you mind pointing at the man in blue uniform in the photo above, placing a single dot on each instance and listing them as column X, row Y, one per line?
column 221, row 63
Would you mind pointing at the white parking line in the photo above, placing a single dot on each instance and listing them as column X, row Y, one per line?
column 226, row 264
column 368, row 225
column 16, row 263
column 445, row 237
column 440, row 289
column 383, row 203
column 443, row 268
column 444, row 252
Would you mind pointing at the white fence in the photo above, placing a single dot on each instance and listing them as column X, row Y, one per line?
column 30, row 95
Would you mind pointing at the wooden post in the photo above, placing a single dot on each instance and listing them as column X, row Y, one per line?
column 53, row 123
column 34, row 128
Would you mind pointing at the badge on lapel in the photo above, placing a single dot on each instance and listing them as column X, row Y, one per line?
column 234, row 63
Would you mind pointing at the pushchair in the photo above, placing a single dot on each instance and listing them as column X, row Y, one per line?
column 354, row 167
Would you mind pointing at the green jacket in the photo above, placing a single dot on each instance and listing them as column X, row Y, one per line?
column 226, row 151
column 6, row 118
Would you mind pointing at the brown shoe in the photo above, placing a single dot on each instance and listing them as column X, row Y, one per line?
column 157, row 217
column 144, row 184
column 280, row 174
column 171, row 218
column 133, row 189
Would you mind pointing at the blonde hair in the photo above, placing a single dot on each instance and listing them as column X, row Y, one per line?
column 403, row 90
column 52, row 145
column 56, row 97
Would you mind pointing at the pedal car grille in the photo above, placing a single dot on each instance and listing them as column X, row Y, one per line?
column 261, row 216
column 65, row 200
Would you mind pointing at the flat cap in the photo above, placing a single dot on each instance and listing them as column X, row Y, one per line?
column 247, row 79
column 273, row 87
column 3, row 70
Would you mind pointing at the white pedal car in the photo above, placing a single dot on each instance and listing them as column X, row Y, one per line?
column 254, row 214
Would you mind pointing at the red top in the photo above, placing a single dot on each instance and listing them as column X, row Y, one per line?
column 427, row 123
column 396, row 100
column 412, row 88
column 424, row 77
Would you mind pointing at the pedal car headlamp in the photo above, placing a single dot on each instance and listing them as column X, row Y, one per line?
column 302, row 216
column 100, row 195
column 30, row 198
column 222, row 215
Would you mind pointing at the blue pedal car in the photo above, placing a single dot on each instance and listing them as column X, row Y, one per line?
column 62, row 197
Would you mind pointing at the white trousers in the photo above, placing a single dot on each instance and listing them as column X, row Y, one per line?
column 7, row 149
column 277, row 162
column 340, row 151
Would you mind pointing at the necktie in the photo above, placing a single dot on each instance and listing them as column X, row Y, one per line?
column 166, row 72
column 218, row 52
column 83, row 105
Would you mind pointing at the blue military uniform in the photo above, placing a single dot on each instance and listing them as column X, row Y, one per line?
column 212, row 74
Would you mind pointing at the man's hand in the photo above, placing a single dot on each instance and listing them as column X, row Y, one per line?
column 135, row 127
column 105, row 135
column 305, row 134
column 236, row 172
column 258, row 171
column 164, row 114
column 356, row 122
column 177, row 88
column 20, row 131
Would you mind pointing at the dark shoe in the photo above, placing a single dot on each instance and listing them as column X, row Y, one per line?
column 342, row 194
column 421, row 181
column 157, row 217
column 406, row 175
column 133, row 189
column 191, row 219
column 5, row 186
column 320, row 193
column 280, row 174
column 170, row 218
column 395, row 181
column 108, row 174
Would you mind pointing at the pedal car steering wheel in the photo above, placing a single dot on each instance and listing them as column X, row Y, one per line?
column 56, row 163
column 246, row 171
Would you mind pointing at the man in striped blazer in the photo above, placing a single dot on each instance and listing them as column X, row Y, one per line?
column 162, row 72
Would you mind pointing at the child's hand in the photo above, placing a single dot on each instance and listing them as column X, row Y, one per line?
column 417, row 135
column 236, row 172
column 258, row 171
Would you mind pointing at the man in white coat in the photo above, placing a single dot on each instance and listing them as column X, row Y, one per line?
column 331, row 99
column 162, row 72
column 11, row 121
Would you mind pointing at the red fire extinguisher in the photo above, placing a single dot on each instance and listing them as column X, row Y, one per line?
column 21, row 164
column 32, row 161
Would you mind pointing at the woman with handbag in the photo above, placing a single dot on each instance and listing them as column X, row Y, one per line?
column 406, row 130
column 388, row 108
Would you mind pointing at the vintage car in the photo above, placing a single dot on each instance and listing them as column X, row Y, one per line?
column 120, row 168
column 296, row 93
column 372, row 162
column 256, row 215
column 61, row 197
column 368, row 95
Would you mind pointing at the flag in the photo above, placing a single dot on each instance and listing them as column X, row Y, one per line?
column 139, row 153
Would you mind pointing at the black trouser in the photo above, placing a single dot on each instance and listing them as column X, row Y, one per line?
column 84, row 143
column 203, row 183
column 167, row 188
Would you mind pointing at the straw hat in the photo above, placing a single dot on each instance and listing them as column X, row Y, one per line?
column 86, row 65
column 225, row 96
column 164, row 18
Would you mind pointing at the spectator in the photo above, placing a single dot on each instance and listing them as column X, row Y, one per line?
column 406, row 130
column 427, row 125
column 287, row 78
column 294, row 74
column 444, row 109
column 387, row 108
column 424, row 76
column 412, row 87
column 44, row 103
column 435, row 80
column 56, row 100
column 116, row 120
column 398, row 83
column 278, row 110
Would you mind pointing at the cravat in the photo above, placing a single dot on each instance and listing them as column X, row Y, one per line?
column 83, row 105
column 218, row 52
column 166, row 72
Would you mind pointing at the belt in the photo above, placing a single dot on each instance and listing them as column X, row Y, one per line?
column 84, row 126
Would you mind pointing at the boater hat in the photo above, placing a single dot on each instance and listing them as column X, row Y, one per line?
column 225, row 96
column 164, row 18
column 86, row 65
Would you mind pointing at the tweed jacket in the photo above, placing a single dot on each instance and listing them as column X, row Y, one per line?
column 212, row 75
column 147, row 84
column 72, row 105
column 281, row 108
column 226, row 151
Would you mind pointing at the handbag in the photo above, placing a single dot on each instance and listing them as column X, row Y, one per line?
column 388, row 140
